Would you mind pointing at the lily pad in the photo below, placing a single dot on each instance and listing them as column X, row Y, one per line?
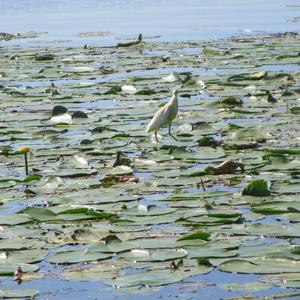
column 260, row 266
column 151, row 278
column 77, row 256
column 15, row 219
column 258, row 188
column 19, row 293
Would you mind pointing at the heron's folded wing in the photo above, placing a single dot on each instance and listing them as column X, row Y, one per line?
column 160, row 119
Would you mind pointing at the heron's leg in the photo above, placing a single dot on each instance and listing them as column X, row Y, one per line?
column 155, row 133
column 170, row 134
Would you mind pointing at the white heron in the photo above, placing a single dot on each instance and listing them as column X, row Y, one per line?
column 164, row 116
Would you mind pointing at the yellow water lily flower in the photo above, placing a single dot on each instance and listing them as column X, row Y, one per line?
column 24, row 149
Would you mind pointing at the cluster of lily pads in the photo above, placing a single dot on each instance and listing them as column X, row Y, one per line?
column 103, row 201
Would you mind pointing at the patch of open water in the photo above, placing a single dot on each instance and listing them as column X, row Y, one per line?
column 168, row 19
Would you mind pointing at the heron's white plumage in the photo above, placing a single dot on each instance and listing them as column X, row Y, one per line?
column 165, row 115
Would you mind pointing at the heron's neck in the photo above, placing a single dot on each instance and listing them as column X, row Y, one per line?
column 174, row 100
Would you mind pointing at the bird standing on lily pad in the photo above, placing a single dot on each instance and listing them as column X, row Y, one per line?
column 164, row 116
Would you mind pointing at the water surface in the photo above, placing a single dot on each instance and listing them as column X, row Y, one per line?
column 170, row 19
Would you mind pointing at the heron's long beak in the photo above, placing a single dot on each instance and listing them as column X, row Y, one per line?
column 175, row 92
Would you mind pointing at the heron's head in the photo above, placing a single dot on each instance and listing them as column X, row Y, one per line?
column 175, row 91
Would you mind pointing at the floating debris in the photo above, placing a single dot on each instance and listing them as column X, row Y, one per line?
column 133, row 43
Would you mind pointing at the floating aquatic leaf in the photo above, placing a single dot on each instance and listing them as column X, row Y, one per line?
column 90, row 274
column 277, row 207
column 258, row 188
column 145, row 92
column 227, row 167
column 287, row 280
column 121, row 170
column 65, row 213
column 151, row 278
column 113, row 90
column 196, row 235
column 214, row 52
column 39, row 213
column 44, row 57
column 8, row 269
column 18, row 244
column 25, row 256
column 160, row 219
column 213, row 250
column 248, row 287
column 77, row 256
column 18, row 293
column 260, row 265
column 250, row 134
column 252, row 76
column 14, row 219
column 208, row 141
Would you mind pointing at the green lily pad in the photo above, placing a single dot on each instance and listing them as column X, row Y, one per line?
column 196, row 235
column 8, row 269
column 261, row 266
column 15, row 219
column 77, row 256
column 258, row 188
column 19, row 244
column 39, row 213
column 248, row 287
column 252, row 76
column 150, row 278
column 44, row 57
column 18, row 293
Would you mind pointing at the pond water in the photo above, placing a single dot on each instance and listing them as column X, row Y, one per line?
column 169, row 19
column 123, row 118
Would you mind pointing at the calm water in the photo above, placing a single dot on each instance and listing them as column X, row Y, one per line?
column 170, row 19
